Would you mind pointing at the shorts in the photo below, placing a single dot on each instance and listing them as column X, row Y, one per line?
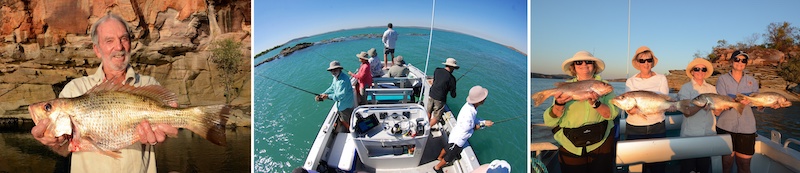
column 435, row 108
column 386, row 50
column 742, row 143
column 345, row 115
column 452, row 152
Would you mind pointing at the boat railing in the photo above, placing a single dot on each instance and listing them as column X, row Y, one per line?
column 779, row 152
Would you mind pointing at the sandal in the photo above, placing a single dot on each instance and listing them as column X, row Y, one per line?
column 437, row 171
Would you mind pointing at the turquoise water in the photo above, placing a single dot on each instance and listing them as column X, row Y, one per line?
column 785, row 120
column 286, row 120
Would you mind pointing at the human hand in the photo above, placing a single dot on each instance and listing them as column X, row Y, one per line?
column 153, row 135
column 323, row 96
column 488, row 123
column 672, row 108
column 744, row 101
column 55, row 143
column 562, row 98
column 775, row 106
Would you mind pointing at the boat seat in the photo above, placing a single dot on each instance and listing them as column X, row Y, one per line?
column 343, row 153
column 401, row 82
column 392, row 95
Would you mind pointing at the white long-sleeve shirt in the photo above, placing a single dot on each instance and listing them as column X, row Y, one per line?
column 389, row 38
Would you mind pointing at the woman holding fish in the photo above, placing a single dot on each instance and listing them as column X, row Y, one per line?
column 698, row 122
column 582, row 116
column 641, row 125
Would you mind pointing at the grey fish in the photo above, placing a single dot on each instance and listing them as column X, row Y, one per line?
column 765, row 99
column 580, row 90
column 717, row 102
column 647, row 102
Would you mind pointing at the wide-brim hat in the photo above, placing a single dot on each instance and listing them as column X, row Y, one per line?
column 371, row 52
column 696, row 62
column 640, row 50
column 477, row 94
column 451, row 62
column 362, row 56
column 581, row 56
column 399, row 60
column 499, row 166
column 335, row 65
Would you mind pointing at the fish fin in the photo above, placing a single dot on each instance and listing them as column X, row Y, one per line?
column 665, row 97
column 739, row 107
column 155, row 92
column 540, row 96
column 113, row 154
column 761, row 109
column 559, row 84
column 211, row 123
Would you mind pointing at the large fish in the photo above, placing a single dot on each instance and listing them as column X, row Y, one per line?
column 580, row 90
column 765, row 99
column 105, row 118
column 717, row 102
column 647, row 102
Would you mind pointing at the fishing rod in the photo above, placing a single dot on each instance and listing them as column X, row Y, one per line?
column 509, row 119
column 465, row 73
column 298, row 88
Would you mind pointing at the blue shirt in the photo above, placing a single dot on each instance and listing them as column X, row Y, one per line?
column 730, row 120
column 341, row 91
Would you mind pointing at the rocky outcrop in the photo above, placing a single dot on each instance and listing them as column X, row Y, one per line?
column 44, row 45
column 758, row 56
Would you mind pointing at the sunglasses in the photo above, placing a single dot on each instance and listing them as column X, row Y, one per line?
column 743, row 60
column 700, row 69
column 645, row 60
column 581, row 62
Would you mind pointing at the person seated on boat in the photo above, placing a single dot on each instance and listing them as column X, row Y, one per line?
column 443, row 82
column 364, row 77
column 742, row 127
column 640, row 126
column 341, row 92
column 698, row 121
column 399, row 68
column 375, row 65
column 578, row 151
column 466, row 124
column 496, row 166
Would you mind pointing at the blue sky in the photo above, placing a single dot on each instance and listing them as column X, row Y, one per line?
column 504, row 21
column 674, row 30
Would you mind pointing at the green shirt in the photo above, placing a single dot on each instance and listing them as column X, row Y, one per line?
column 580, row 113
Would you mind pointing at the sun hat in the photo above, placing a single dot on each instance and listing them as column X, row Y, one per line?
column 640, row 50
column 334, row 65
column 580, row 56
column 451, row 62
column 371, row 52
column 362, row 56
column 499, row 166
column 698, row 61
column 399, row 60
column 477, row 94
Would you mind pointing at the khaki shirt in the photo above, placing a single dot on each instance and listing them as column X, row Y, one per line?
column 133, row 156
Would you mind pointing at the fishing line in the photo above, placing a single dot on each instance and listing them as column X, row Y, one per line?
column 509, row 119
column 298, row 88
column 465, row 73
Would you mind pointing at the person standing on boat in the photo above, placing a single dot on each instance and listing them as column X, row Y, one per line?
column 595, row 151
column 742, row 127
column 698, row 122
column 641, row 126
column 375, row 65
column 364, row 77
column 443, row 82
column 341, row 92
column 389, row 39
column 466, row 124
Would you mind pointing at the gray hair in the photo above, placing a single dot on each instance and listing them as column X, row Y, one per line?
column 104, row 19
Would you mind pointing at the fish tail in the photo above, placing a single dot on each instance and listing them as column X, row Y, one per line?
column 540, row 96
column 210, row 124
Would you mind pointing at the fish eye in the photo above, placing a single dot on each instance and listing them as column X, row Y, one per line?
column 48, row 107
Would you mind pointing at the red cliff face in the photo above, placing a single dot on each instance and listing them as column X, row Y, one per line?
column 45, row 44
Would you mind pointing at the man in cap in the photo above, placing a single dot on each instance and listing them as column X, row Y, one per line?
column 443, row 82
column 375, row 65
column 364, row 78
column 341, row 92
column 111, row 38
column 399, row 68
column 389, row 39
column 466, row 124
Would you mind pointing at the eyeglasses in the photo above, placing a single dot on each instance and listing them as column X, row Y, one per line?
column 700, row 69
column 581, row 62
column 645, row 60
column 743, row 60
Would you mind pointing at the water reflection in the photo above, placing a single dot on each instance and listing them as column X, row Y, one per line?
column 20, row 152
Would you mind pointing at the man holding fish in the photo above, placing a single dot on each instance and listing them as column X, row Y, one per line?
column 111, row 37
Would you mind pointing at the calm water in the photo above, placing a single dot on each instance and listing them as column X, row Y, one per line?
column 785, row 120
column 20, row 152
column 287, row 120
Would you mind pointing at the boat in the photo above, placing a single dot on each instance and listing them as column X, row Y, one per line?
column 389, row 134
column 772, row 154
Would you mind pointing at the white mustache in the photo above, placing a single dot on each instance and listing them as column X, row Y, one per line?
column 119, row 53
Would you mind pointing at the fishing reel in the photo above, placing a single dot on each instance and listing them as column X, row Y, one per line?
column 318, row 98
column 397, row 124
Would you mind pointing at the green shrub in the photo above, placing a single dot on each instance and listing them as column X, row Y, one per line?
column 227, row 56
